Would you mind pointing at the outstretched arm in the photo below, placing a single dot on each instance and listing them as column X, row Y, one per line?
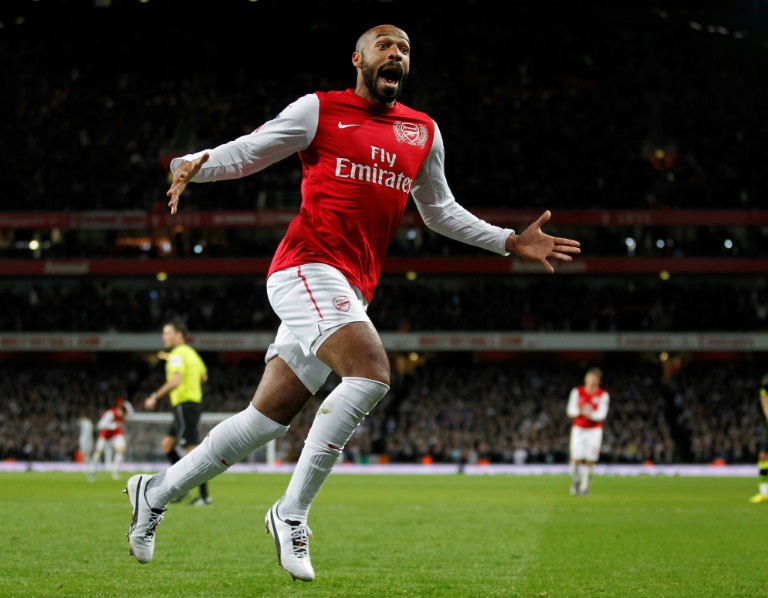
column 442, row 214
column 534, row 245
column 181, row 178
column 289, row 132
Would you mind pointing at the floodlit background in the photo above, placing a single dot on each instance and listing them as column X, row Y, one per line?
column 642, row 126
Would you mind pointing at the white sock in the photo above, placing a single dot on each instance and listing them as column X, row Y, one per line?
column 228, row 443
column 116, row 462
column 574, row 469
column 585, row 471
column 335, row 422
column 95, row 459
column 763, row 488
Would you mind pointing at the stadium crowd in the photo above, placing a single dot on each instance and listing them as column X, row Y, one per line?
column 574, row 124
column 430, row 303
column 445, row 410
column 648, row 111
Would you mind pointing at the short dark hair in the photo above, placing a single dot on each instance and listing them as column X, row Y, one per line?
column 180, row 325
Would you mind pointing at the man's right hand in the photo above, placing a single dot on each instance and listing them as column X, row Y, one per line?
column 181, row 178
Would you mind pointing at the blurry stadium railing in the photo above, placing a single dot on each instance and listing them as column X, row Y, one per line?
column 166, row 418
column 413, row 341
column 452, row 265
column 123, row 220
column 601, row 469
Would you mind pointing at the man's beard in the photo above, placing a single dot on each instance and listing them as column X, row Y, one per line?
column 369, row 78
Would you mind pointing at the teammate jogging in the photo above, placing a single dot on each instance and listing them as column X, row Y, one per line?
column 588, row 408
column 111, row 438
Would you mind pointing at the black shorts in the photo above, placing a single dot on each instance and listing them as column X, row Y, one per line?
column 186, row 417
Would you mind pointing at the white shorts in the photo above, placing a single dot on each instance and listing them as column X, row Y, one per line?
column 586, row 443
column 312, row 302
column 116, row 442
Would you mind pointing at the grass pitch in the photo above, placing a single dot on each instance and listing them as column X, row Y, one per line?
column 406, row 536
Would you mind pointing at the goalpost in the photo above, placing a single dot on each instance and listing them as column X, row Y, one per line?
column 144, row 435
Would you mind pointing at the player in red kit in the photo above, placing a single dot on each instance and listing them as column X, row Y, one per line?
column 111, row 436
column 588, row 408
column 363, row 155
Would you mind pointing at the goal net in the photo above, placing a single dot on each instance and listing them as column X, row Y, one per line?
column 144, row 433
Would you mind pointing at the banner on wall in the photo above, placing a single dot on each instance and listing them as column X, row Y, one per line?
column 415, row 341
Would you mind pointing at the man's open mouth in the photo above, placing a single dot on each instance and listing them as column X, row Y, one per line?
column 391, row 75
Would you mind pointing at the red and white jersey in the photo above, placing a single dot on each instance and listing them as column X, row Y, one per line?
column 360, row 162
column 111, row 423
column 588, row 409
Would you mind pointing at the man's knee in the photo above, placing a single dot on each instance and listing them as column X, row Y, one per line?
column 356, row 350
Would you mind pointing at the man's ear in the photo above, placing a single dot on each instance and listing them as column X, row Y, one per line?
column 356, row 59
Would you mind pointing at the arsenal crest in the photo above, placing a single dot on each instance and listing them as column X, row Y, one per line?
column 410, row 133
column 341, row 303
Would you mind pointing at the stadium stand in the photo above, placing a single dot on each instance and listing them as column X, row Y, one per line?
column 640, row 127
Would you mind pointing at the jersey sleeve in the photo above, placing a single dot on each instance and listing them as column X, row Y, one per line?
column 129, row 410
column 443, row 214
column 289, row 132
column 572, row 409
column 107, row 421
column 174, row 364
column 602, row 409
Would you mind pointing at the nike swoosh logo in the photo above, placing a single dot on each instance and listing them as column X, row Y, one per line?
column 341, row 126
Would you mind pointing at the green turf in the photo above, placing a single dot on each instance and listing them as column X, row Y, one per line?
column 406, row 536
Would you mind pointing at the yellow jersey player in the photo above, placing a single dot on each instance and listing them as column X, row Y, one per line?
column 762, row 458
column 185, row 373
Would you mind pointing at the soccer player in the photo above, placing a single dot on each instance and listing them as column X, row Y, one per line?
column 588, row 408
column 111, row 436
column 185, row 373
column 762, row 459
column 364, row 154
column 85, row 442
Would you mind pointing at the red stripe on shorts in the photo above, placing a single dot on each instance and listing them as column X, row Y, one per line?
column 306, row 286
